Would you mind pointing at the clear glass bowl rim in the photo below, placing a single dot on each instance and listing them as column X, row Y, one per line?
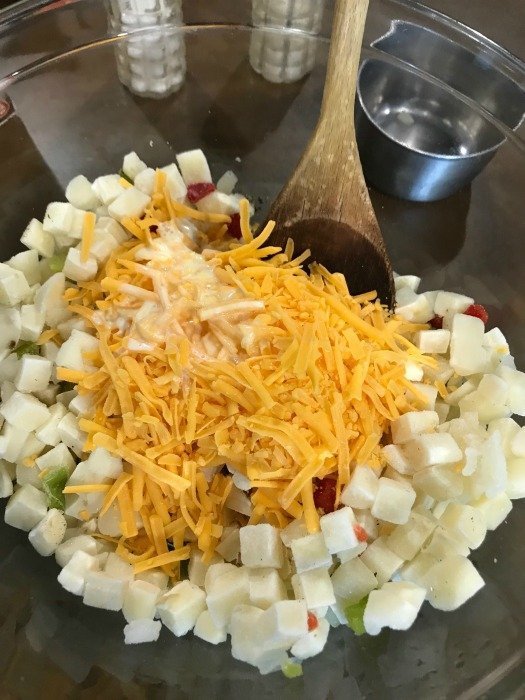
column 14, row 17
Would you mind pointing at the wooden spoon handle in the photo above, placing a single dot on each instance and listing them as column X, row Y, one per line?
column 343, row 63
column 330, row 163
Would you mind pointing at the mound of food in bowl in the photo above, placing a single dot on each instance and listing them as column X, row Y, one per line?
column 210, row 437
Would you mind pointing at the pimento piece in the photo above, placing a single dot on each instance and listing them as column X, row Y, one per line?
column 478, row 311
column 313, row 622
column 436, row 322
column 360, row 533
column 324, row 494
column 199, row 190
column 234, row 227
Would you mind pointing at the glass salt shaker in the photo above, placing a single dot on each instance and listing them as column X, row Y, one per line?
column 279, row 57
column 151, row 60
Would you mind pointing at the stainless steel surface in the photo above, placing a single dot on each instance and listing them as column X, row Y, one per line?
column 417, row 140
column 72, row 115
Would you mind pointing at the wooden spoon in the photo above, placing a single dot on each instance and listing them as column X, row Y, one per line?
column 325, row 206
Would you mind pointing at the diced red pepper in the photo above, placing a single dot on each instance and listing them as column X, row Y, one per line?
column 313, row 622
column 234, row 227
column 478, row 311
column 436, row 322
column 360, row 533
column 324, row 494
column 199, row 190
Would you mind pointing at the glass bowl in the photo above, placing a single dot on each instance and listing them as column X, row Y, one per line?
column 63, row 112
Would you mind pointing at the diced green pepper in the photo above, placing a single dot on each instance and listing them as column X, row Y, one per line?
column 125, row 177
column 54, row 482
column 56, row 262
column 291, row 669
column 354, row 613
column 26, row 347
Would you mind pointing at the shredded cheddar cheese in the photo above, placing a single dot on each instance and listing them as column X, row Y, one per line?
column 238, row 356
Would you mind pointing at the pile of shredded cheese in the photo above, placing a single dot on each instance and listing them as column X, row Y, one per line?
column 233, row 355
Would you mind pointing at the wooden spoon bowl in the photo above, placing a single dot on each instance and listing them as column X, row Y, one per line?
column 325, row 206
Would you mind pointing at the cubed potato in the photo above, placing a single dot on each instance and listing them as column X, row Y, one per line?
column 451, row 582
column 74, row 573
column 316, row 588
column 467, row 354
column 361, row 490
column 464, row 523
column 35, row 238
column 48, row 533
column 266, row 587
column 142, row 631
column 104, row 591
column 313, row 642
column 408, row 539
column 395, row 605
column 353, row 580
column 381, row 560
column 140, row 600
column 180, row 608
column 194, row 167
column 206, row 629
column 338, row 530
column 394, row 501
column 81, row 195
column 261, row 546
column 133, row 165
column 413, row 424
column 432, row 449
column 310, row 552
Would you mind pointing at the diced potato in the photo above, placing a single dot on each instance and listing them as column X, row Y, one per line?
column 73, row 575
column 142, row 631
column 226, row 592
column 413, row 424
column 13, row 286
column 310, row 552
column 316, row 588
column 133, row 165
column 394, row 501
column 35, row 238
column 78, row 270
column 266, row 587
column 140, row 600
column 451, row 582
column 438, row 482
column 180, row 608
column 381, row 560
column 516, row 477
column 34, row 373
column 313, row 642
column 24, row 411
column 407, row 540
column 81, row 195
column 338, row 530
column 353, row 580
column 361, row 490
column 432, row 449
column 81, row 543
column 132, row 202
column 467, row 354
column 464, row 523
column 493, row 510
column 194, row 167
column 48, row 533
column 104, row 591
column 261, row 546
column 395, row 605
